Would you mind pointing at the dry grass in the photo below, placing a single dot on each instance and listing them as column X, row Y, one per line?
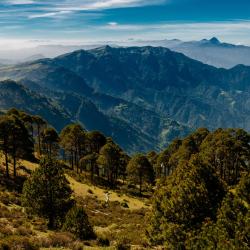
column 82, row 190
column 111, row 222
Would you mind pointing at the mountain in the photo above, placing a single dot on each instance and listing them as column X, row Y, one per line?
column 31, row 102
column 150, row 94
column 209, row 51
column 62, row 108
column 212, row 51
column 167, row 83
column 57, row 82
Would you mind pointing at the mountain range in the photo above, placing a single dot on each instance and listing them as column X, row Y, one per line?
column 209, row 51
column 212, row 51
column 142, row 96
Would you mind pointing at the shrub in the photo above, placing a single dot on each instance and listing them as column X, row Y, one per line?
column 77, row 246
column 24, row 231
column 124, row 204
column 5, row 230
column 60, row 239
column 103, row 241
column 18, row 243
column 77, row 223
column 90, row 191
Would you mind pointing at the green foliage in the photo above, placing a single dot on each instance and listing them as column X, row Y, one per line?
column 89, row 163
column 76, row 222
column 227, row 151
column 73, row 141
column 140, row 171
column 188, row 211
column 47, row 192
column 191, row 194
column 96, row 141
column 15, row 140
column 49, row 141
column 231, row 230
column 113, row 162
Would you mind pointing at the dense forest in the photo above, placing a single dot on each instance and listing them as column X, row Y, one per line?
column 195, row 193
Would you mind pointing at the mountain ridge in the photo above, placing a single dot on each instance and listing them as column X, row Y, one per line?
column 159, row 93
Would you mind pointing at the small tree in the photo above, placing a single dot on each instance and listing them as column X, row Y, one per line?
column 139, row 170
column 47, row 192
column 77, row 222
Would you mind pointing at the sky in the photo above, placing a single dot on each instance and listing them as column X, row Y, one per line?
column 25, row 23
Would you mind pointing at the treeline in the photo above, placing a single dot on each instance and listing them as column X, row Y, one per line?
column 204, row 203
column 201, row 183
column 23, row 136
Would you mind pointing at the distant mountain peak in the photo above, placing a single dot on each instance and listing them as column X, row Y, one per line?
column 104, row 48
column 214, row 40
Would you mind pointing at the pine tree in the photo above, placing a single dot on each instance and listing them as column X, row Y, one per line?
column 47, row 192
column 77, row 222
column 140, row 171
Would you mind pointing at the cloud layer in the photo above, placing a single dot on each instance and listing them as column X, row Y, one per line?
column 86, row 20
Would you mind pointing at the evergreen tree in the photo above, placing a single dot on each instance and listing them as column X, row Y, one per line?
column 73, row 141
column 140, row 171
column 77, row 222
column 15, row 140
column 50, row 142
column 182, row 202
column 112, row 161
column 95, row 141
column 231, row 230
column 47, row 192
column 89, row 162
column 228, row 153
column 40, row 126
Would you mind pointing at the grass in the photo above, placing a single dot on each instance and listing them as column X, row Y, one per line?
column 110, row 222
column 81, row 190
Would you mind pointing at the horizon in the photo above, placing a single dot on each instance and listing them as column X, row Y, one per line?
column 30, row 23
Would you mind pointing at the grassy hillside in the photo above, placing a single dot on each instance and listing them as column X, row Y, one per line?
column 112, row 222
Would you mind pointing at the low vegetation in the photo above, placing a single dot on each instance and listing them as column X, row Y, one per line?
column 80, row 190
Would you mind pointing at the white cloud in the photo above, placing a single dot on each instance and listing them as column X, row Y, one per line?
column 86, row 4
column 107, row 4
column 20, row 2
column 58, row 14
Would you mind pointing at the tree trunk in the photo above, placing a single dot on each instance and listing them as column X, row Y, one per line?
column 72, row 160
column 39, row 140
column 140, row 185
column 7, row 164
column 14, row 165
column 51, row 223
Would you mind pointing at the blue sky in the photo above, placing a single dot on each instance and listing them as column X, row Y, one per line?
column 25, row 22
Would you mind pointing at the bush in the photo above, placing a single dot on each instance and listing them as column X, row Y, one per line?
column 90, row 191
column 103, row 241
column 24, row 231
column 77, row 223
column 124, row 204
column 60, row 239
column 18, row 243
column 123, row 244
column 77, row 246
